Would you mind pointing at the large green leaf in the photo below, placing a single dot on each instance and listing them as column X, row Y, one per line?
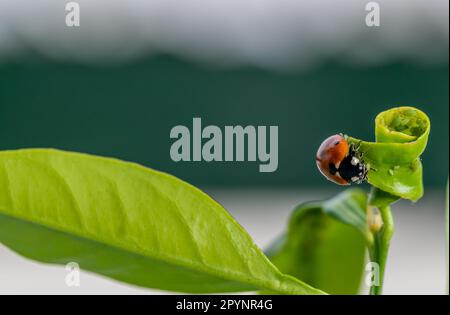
column 129, row 223
column 325, row 243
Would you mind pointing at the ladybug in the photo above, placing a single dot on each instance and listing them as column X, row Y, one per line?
column 340, row 161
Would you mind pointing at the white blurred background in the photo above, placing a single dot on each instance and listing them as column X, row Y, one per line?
column 266, row 33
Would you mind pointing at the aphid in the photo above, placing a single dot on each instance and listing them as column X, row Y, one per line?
column 340, row 161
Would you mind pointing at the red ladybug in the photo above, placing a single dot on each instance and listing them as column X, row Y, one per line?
column 340, row 162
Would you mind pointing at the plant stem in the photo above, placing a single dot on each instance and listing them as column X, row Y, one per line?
column 382, row 240
column 382, row 237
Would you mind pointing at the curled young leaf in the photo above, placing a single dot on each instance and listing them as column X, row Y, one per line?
column 129, row 223
column 325, row 243
column 393, row 161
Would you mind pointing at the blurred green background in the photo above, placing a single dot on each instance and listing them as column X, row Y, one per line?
column 127, row 110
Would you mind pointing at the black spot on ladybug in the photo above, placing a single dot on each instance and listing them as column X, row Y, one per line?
column 332, row 168
column 337, row 143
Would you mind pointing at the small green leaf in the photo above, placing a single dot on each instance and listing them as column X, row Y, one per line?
column 325, row 243
column 129, row 223
column 394, row 159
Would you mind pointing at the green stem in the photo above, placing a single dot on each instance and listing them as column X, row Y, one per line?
column 381, row 237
